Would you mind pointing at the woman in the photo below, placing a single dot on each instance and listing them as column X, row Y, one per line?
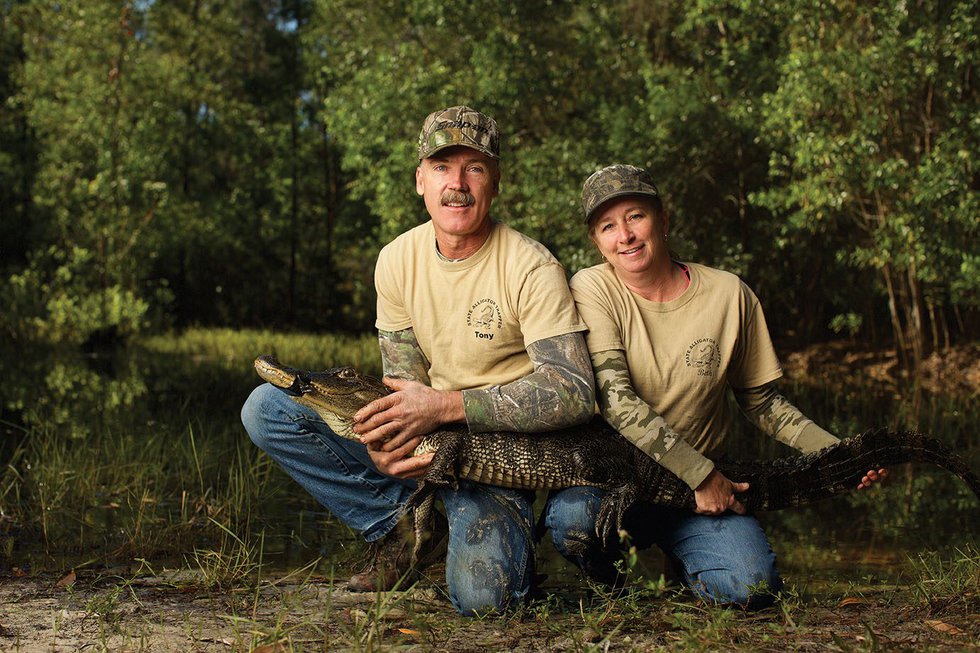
column 667, row 341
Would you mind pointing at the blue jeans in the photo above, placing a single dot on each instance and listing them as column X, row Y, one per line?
column 490, row 561
column 726, row 559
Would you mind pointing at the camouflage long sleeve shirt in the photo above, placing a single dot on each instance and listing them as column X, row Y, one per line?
column 644, row 427
column 559, row 392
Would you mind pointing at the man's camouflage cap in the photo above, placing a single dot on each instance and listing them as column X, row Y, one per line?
column 615, row 181
column 459, row 126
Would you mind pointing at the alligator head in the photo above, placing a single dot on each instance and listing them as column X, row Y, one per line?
column 335, row 394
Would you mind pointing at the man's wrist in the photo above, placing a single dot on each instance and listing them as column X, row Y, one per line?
column 453, row 409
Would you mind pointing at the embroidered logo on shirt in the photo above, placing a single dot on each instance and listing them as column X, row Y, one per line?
column 703, row 355
column 484, row 317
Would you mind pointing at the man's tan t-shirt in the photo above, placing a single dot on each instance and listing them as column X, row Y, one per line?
column 474, row 318
column 682, row 354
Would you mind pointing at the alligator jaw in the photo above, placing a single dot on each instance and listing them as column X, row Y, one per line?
column 335, row 394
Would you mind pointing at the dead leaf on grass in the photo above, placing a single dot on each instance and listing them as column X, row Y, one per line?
column 944, row 627
column 851, row 600
column 278, row 647
column 66, row 580
column 17, row 572
column 409, row 631
column 224, row 640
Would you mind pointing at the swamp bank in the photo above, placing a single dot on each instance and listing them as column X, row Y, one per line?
column 136, row 515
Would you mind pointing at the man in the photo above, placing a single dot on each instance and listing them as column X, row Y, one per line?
column 477, row 326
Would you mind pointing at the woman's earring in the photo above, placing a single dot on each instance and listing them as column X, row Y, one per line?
column 665, row 236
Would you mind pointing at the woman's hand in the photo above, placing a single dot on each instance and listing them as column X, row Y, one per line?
column 869, row 479
column 716, row 494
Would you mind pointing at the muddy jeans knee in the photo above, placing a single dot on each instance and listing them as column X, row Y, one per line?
column 490, row 561
column 570, row 516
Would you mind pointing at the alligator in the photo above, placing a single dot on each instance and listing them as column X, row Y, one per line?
column 595, row 454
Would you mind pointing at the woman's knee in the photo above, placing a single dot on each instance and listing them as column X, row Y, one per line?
column 750, row 587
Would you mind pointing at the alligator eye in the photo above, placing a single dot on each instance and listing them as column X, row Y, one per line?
column 347, row 373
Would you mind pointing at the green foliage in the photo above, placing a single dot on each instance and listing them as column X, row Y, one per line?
column 59, row 298
column 179, row 157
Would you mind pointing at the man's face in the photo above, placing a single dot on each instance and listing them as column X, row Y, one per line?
column 458, row 185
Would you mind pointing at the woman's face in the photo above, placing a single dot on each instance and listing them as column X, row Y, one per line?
column 629, row 233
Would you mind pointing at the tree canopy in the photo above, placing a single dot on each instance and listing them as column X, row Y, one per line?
column 241, row 163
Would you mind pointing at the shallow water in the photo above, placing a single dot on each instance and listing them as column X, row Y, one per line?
column 139, row 454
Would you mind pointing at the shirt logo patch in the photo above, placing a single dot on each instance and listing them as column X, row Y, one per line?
column 484, row 317
column 703, row 355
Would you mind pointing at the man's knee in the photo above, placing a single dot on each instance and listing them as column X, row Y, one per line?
column 256, row 412
column 571, row 517
column 485, row 587
column 490, row 559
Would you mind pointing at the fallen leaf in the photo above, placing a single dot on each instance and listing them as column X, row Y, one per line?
column 18, row 572
column 851, row 600
column 409, row 631
column 66, row 580
column 270, row 648
column 224, row 640
column 944, row 627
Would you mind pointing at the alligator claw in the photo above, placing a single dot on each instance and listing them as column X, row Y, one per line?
column 614, row 505
column 429, row 486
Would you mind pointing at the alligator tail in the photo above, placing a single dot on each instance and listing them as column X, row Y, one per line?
column 837, row 469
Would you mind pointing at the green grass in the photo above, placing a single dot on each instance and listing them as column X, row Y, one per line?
column 143, row 458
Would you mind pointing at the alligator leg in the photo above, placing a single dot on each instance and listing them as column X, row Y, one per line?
column 615, row 503
column 442, row 471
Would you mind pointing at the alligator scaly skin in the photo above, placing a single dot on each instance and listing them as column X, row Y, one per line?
column 594, row 454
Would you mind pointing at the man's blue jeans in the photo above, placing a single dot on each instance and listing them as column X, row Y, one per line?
column 490, row 561
column 726, row 559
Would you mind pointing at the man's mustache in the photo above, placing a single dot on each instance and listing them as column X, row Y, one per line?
column 457, row 197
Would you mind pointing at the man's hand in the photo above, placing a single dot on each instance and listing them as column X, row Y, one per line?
column 400, row 463
column 869, row 479
column 716, row 494
column 413, row 410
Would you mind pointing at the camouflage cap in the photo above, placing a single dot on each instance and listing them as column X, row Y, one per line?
column 615, row 181
column 459, row 126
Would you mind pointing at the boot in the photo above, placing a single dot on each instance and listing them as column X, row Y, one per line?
column 391, row 556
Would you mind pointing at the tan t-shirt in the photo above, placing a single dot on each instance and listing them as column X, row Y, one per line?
column 682, row 354
column 474, row 318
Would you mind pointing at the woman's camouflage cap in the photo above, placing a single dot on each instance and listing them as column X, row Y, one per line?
column 615, row 181
column 459, row 126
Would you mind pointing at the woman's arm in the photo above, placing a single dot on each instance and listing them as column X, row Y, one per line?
column 779, row 419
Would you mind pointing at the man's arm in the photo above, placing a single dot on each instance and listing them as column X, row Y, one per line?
column 402, row 357
column 559, row 392
column 391, row 450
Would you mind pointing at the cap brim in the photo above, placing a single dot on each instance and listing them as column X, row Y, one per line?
column 446, row 146
column 619, row 193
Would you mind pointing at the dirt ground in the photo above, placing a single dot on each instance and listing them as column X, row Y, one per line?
column 168, row 612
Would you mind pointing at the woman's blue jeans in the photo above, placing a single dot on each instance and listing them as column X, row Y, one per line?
column 490, row 561
column 726, row 559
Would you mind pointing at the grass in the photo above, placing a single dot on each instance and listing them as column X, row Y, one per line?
column 143, row 459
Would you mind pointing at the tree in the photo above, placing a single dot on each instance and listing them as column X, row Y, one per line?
column 872, row 140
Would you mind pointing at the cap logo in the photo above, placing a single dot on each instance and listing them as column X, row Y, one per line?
column 461, row 124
